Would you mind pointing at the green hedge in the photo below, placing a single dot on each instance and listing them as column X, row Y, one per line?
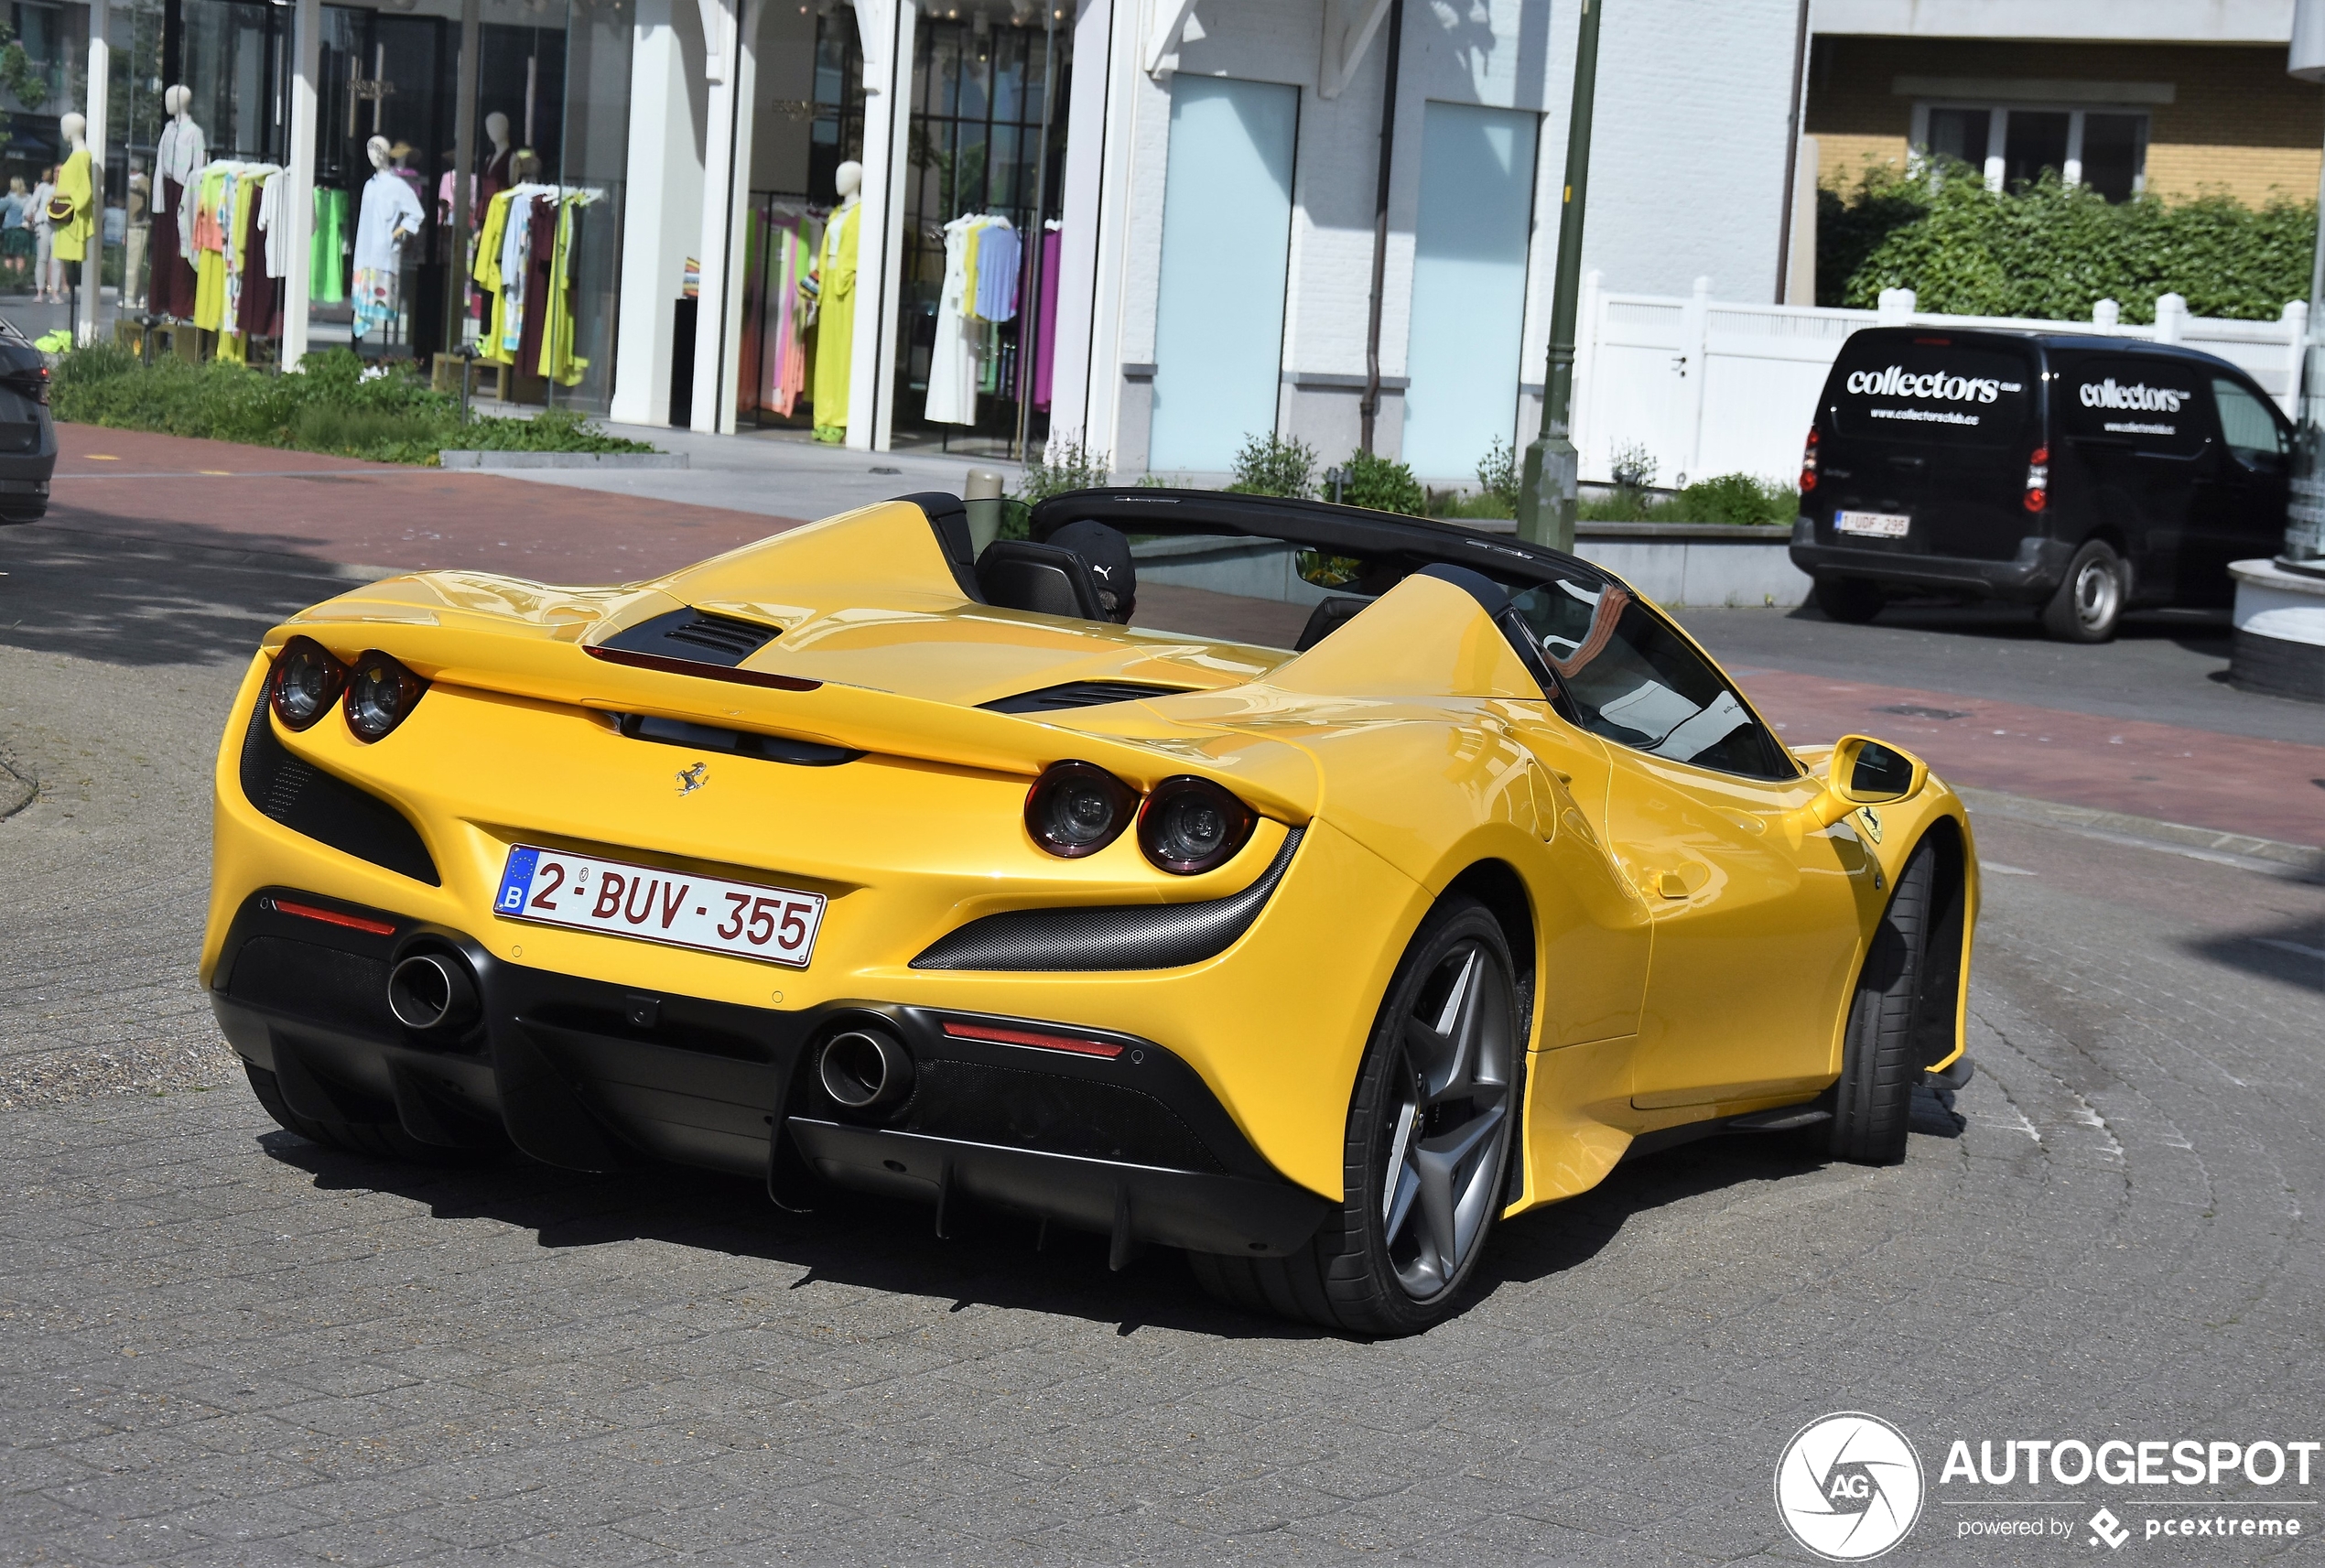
column 327, row 406
column 2052, row 251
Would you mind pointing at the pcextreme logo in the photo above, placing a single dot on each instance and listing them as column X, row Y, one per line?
column 1849, row 1487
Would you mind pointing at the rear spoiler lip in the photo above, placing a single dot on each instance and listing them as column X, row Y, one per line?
column 668, row 667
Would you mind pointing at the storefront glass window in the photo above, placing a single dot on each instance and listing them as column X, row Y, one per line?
column 983, row 82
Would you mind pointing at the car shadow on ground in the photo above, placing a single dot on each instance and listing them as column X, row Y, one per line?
column 996, row 1258
column 990, row 1258
column 2198, row 630
column 122, row 599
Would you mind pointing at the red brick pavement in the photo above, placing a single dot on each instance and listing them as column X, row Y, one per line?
column 2267, row 788
column 337, row 509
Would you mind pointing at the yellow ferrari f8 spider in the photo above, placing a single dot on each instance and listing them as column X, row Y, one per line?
column 867, row 856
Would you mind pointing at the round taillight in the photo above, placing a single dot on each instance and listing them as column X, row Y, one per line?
column 305, row 683
column 380, row 694
column 1077, row 808
column 1808, row 480
column 2037, row 500
column 1189, row 826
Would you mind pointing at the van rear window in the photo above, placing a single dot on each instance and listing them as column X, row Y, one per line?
column 1893, row 390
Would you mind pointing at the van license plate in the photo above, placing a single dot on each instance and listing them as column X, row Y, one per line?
column 1872, row 525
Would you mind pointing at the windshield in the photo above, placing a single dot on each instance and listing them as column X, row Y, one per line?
column 1929, row 390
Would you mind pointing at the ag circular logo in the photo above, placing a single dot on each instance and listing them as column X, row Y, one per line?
column 1848, row 1487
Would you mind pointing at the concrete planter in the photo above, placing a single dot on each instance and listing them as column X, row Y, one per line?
column 451, row 460
column 1671, row 562
column 2280, row 632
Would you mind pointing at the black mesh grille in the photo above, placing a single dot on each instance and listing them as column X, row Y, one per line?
column 320, row 984
column 1139, row 936
column 1077, row 694
column 690, row 635
column 327, row 809
column 980, row 1103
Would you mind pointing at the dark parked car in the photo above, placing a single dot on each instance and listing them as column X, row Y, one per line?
column 27, row 436
column 1938, row 463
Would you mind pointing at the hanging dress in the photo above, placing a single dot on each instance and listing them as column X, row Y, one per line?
column 952, row 363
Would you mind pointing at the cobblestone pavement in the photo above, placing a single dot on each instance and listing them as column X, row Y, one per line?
column 219, row 1345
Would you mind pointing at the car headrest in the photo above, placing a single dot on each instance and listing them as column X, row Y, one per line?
column 1107, row 553
column 1017, row 575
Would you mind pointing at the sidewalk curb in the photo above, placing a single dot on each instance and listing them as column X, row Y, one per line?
column 2206, row 843
column 492, row 460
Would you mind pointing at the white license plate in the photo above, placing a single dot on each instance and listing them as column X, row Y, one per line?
column 1875, row 525
column 747, row 919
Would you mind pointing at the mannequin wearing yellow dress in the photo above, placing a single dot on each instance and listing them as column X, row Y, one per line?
column 836, row 308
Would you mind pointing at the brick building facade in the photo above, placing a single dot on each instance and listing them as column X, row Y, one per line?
column 2202, row 103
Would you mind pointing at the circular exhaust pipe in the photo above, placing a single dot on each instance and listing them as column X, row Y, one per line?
column 865, row 1069
column 432, row 991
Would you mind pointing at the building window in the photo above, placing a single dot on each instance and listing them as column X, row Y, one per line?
column 2105, row 149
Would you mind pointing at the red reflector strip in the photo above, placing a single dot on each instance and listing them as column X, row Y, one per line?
column 1038, row 1042
column 332, row 917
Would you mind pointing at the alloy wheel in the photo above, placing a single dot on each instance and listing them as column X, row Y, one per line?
column 1451, row 1121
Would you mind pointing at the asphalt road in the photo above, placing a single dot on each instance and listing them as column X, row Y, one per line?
column 219, row 1345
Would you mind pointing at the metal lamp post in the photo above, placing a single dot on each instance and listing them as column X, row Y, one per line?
column 1546, row 504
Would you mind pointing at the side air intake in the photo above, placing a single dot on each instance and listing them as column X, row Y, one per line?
column 691, row 635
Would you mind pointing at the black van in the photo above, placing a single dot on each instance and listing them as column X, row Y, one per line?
column 1938, row 464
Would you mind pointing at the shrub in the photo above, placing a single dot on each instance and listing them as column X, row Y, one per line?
column 1382, row 485
column 1727, row 498
column 332, row 405
column 1064, row 465
column 2052, row 251
column 1499, row 479
column 1269, row 465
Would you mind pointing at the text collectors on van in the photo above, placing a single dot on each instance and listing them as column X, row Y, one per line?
column 2112, row 394
column 1899, row 381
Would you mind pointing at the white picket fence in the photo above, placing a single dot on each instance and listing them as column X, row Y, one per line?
column 1709, row 387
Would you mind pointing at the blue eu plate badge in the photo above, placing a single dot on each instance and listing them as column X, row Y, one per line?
column 516, row 880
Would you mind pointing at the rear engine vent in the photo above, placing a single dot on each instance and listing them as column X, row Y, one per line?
column 691, row 635
column 1079, row 693
column 327, row 809
column 735, row 742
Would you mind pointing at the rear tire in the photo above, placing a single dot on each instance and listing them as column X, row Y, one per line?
column 1430, row 1126
column 2089, row 605
column 1850, row 601
column 380, row 1140
column 1873, row 1102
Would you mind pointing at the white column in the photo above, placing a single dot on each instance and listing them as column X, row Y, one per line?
column 661, row 218
column 726, row 178
column 84, row 329
column 888, row 52
column 299, row 178
column 1695, row 338
column 1122, row 82
column 1085, row 188
column 2295, row 319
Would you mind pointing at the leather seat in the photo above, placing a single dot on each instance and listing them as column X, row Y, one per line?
column 1326, row 618
column 1016, row 574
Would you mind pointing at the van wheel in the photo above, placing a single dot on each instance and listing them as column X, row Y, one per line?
column 1851, row 599
column 2089, row 604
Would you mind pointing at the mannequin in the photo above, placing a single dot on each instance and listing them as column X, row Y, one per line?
column 391, row 214
column 178, row 157
column 71, row 210
column 139, row 230
column 836, row 308
column 496, row 177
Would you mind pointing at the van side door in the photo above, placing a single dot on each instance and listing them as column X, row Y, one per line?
column 2240, row 509
column 2138, row 436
